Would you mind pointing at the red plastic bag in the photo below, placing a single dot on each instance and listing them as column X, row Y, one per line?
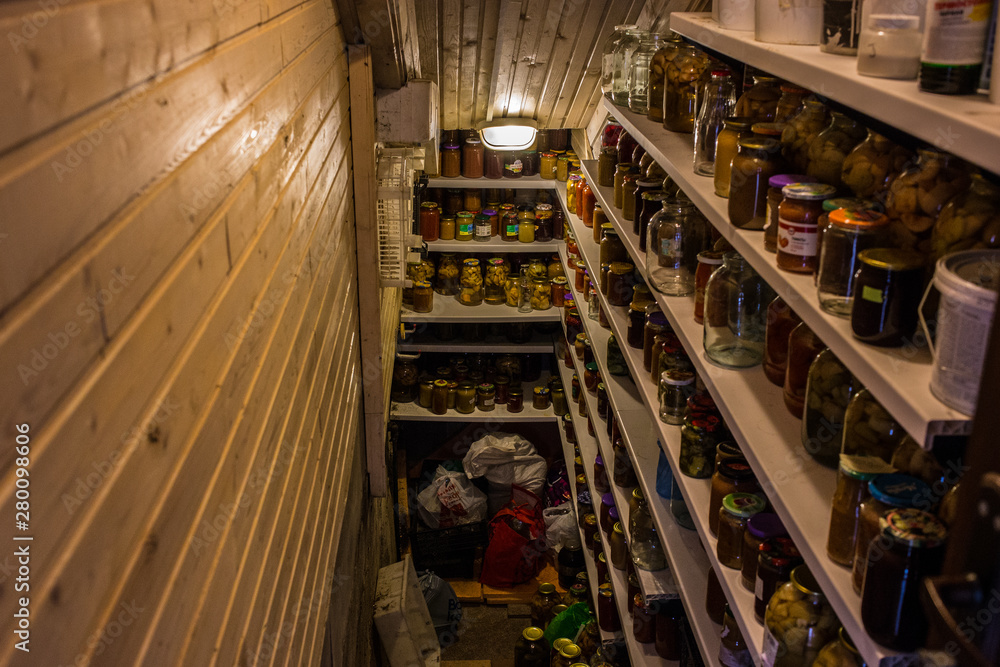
column 516, row 541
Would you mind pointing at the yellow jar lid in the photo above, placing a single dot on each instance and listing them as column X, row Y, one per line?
column 532, row 634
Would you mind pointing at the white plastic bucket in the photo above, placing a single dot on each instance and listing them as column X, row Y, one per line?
column 967, row 281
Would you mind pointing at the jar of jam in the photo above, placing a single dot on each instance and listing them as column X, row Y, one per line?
column 910, row 548
column 430, row 221
column 607, row 613
column 652, row 203
column 760, row 528
column 798, row 623
column 604, row 514
column 634, row 190
column 560, row 288
column 562, row 168
column 606, row 163
column 734, row 128
column 798, row 218
column 447, row 226
column 756, row 161
column 774, row 197
column 543, row 222
column 656, row 324
column 708, row 262
column 869, row 429
column 513, row 164
column 473, row 158
column 669, row 632
column 781, row 320
column 698, row 441
column 591, row 377
column 736, row 509
column 451, row 161
column 493, row 164
column 612, row 248
column 515, row 399
column 733, row 475
column 621, row 170
column 852, row 489
column 803, row 348
column 453, row 201
column 888, row 286
column 776, row 559
column 529, row 162
column 464, row 225
column 891, row 491
column 501, row 384
column 643, row 620
column 423, row 297
column 620, row 283
column 472, row 198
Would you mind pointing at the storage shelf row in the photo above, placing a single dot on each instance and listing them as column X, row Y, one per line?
column 494, row 245
column 966, row 125
column 413, row 411
column 898, row 377
column 523, row 183
column 423, row 341
column 799, row 488
column 449, row 309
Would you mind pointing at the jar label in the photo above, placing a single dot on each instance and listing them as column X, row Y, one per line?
column 515, row 167
column 769, row 654
column 955, row 33
column 869, row 293
column 511, row 230
column 488, row 402
column 796, row 239
column 465, row 228
column 758, row 588
column 484, row 230
column 671, row 248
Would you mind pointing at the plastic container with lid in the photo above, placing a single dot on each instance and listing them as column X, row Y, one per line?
column 852, row 489
column 910, row 548
column 799, row 622
column 891, row 491
column 776, row 558
column 798, row 218
column 736, row 509
column 774, row 197
column 760, row 528
column 849, row 233
column 732, row 475
column 887, row 289
column 756, row 161
column 829, row 389
column 675, row 388
column 734, row 128
column 803, row 347
column 782, row 22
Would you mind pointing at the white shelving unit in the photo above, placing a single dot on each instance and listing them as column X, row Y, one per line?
column 448, row 309
column 494, row 245
column 898, row 377
column 523, row 183
column 968, row 126
column 413, row 411
column 423, row 342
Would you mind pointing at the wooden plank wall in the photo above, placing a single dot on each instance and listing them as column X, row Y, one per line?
column 178, row 327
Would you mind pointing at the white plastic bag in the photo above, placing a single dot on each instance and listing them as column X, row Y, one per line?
column 505, row 459
column 450, row 500
column 560, row 526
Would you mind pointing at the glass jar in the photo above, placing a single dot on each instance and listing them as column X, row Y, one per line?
column 612, row 248
column 569, row 655
column 781, row 319
column 699, row 437
column 496, row 279
column 756, row 161
column 669, row 632
column 606, row 164
column 888, row 285
column 525, row 223
column 562, row 168
column 405, row 378
column 715, row 597
column 760, row 102
column 873, row 164
column 423, row 297
column 658, row 65
column 465, row 398
column 636, row 324
column 621, row 59
column 829, row 149
column 869, row 429
column 439, row 397
column 586, row 202
column 515, row 399
column 541, row 293
column 493, row 163
column 677, row 233
column 591, row 377
column 618, row 547
column 736, row 301
column 848, row 233
column 512, row 290
column 623, row 473
column 628, row 195
column 969, row 220
column 541, row 604
column 430, row 221
column 451, row 161
column 464, row 225
column 732, row 475
column 851, row 204
column 774, row 196
column 675, row 388
column 620, row 283
column 803, row 348
column 799, row 622
column 540, row 398
column 447, row 228
column 501, row 387
column 840, row 652
column 639, row 72
column 486, row 397
column 708, row 262
column 852, row 489
column 829, row 388
column 736, row 509
column 607, row 613
column 471, row 290
column 680, row 88
column 734, row 129
column 717, row 101
column 798, row 225
column 608, row 57
column 889, row 44
column 513, row 164
column 733, row 650
column 547, row 165
column 776, row 559
column 656, row 324
column 800, row 132
column 760, row 528
column 644, row 542
column 910, row 548
column 621, row 170
column 508, row 226
column 643, row 620
column 648, row 203
column 841, row 27
column 560, row 288
column 887, row 492
column 482, row 229
column 790, row 102
column 473, row 158
column 453, row 201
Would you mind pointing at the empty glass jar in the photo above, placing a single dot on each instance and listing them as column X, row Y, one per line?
column 717, row 99
column 736, row 301
column 676, row 234
column 608, row 57
column 638, row 92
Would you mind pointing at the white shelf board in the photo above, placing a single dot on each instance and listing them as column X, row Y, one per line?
column 423, row 342
column 448, row 309
column 522, row 183
column 494, row 245
column 414, row 412
column 898, row 377
column 966, row 125
column 800, row 489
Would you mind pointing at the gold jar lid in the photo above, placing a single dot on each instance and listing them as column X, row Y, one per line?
column 892, row 259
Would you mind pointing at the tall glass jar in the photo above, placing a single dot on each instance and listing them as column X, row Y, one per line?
column 644, row 543
column 541, row 293
column 430, row 221
column 840, row 652
column 869, row 429
column 829, row 149
column 847, row 234
column 545, row 598
column 798, row 623
column 447, row 274
column 736, row 510
column 733, row 650
column 531, row 649
column 612, row 248
column 639, row 70
column 841, row 27
column 800, row 131
column 621, row 65
column 473, row 158
column 776, row 558
column 666, row 52
column 471, row 290
column 852, row 489
column 734, row 129
column 969, row 221
column 790, row 102
column 680, row 88
column 496, row 278
column 451, row 161
column 760, row 103
column 756, row 161
column 829, row 389
column 621, row 170
column 676, row 235
column 718, row 99
column 803, row 346
column 781, row 319
column 736, row 300
column 607, row 161
column 608, row 54
column 873, row 165
column 699, row 438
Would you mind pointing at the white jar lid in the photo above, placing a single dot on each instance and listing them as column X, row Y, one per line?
column 894, row 22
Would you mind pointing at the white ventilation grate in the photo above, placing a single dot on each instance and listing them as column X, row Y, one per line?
column 394, row 213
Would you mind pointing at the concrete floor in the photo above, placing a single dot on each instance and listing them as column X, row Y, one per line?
column 488, row 632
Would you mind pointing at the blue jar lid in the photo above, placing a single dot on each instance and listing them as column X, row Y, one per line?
column 659, row 319
column 608, row 499
column 598, row 460
column 613, row 514
column 899, row 490
column 781, row 180
column 766, row 525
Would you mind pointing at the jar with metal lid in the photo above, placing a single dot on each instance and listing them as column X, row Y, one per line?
column 496, row 278
column 557, row 645
column 451, row 161
column 970, row 220
column 439, row 397
column 774, row 197
column 531, row 649
column 493, row 163
column 464, row 225
column 851, row 204
column 501, row 385
column 643, row 620
column 607, row 613
column 562, row 168
column 760, row 528
column 515, row 399
column 733, row 650
column 482, row 229
column 636, row 324
column 559, row 405
column 513, row 164
column 453, row 202
column 790, row 102
column 776, row 558
column 543, row 223
column 486, row 397
column 656, row 349
column 829, row 389
column 736, row 299
column 569, row 655
column 512, row 290
column 768, row 130
column 799, row 622
column 800, row 132
column 404, row 379
column 756, row 161
column 869, row 429
column 698, row 441
column 708, row 262
column 639, row 72
column 675, row 388
column 887, row 492
column 628, row 195
column 873, row 165
column 829, row 149
column 612, row 248
column 734, row 129
column 620, row 283
column 430, row 221
column 888, row 286
column 616, row 360
column 798, row 218
column 541, row 293
column 672, row 356
column 633, row 210
column 446, row 231
column 680, row 88
column 726, row 451
column 623, row 472
column 644, row 543
column 542, row 603
column 473, row 157
column 607, row 161
column 853, row 476
column 652, row 204
column 736, row 509
column 618, row 547
column 760, row 102
column 423, row 297
column 465, row 398
column 560, row 288
column 591, row 377
column 803, row 346
column 509, row 226
column 665, row 54
column 656, row 323
column 540, row 398
column 589, row 528
column 471, row 290
column 910, row 548
column 547, row 165
column 676, row 234
column 732, row 475
column 604, row 513
column 840, row 652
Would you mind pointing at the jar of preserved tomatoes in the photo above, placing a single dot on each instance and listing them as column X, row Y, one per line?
column 803, row 347
column 774, row 197
column 829, row 389
column 776, row 559
column 798, row 218
column 760, row 528
column 473, row 158
column 736, row 510
column 732, row 475
column 451, row 161
column 756, row 161
column 734, row 128
column 430, row 221
column 708, row 262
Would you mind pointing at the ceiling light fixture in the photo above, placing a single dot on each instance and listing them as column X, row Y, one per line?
column 507, row 134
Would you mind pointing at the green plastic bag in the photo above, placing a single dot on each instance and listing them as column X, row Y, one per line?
column 568, row 623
